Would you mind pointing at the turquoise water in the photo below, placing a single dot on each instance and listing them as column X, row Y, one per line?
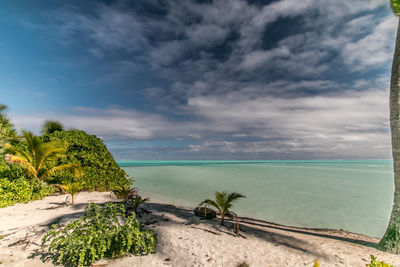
column 351, row 195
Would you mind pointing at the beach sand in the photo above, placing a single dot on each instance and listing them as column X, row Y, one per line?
column 185, row 240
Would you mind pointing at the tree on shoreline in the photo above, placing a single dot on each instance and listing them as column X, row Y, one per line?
column 223, row 202
column 390, row 242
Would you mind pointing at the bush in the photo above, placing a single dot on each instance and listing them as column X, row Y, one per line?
column 376, row 263
column 15, row 187
column 101, row 172
column 11, row 171
column 98, row 234
column 22, row 190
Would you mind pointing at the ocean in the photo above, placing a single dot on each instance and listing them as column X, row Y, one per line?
column 355, row 196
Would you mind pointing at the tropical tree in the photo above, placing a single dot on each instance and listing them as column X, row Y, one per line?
column 7, row 131
column 39, row 158
column 391, row 240
column 50, row 127
column 223, row 202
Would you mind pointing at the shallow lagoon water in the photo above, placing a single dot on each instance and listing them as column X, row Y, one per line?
column 351, row 195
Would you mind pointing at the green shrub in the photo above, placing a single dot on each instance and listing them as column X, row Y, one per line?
column 11, row 171
column 376, row 263
column 22, row 190
column 98, row 234
column 101, row 172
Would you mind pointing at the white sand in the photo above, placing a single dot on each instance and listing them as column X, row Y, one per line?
column 184, row 240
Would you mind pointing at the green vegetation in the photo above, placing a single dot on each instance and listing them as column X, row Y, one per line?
column 15, row 183
column 22, row 190
column 100, row 171
column 376, row 263
column 137, row 201
column 64, row 158
column 7, row 132
column 39, row 158
column 73, row 189
column 223, row 202
column 50, row 127
column 125, row 191
column 98, row 234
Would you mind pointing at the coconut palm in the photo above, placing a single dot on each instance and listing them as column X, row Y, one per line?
column 39, row 158
column 51, row 127
column 391, row 240
column 223, row 202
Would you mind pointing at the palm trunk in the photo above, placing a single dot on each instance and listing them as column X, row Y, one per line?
column 222, row 218
column 391, row 240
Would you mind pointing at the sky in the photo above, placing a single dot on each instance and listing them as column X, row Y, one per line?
column 222, row 79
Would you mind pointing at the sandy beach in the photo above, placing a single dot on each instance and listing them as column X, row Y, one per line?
column 185, row 240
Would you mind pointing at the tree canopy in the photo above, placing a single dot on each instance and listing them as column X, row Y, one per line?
column 101, row 172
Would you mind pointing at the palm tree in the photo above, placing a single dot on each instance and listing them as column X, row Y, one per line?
column 7, row 131
column 39, row 158
column 51, row 127
column 73, row 189
column 223, row 202
column 390, row 242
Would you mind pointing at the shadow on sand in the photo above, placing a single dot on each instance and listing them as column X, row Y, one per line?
column 278, row 235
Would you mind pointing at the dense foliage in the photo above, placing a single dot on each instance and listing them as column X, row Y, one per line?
column 40, row 159
column 100, row 171
column 22, row 190
column 7, row 132
column 50, row 127
column 14, row 183
column 98, row 234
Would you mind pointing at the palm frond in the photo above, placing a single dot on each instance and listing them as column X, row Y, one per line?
column 234, row 196
column 210, row 202
column 23, row 162
column 395, row 4
column 74, row 168
column 49, row 152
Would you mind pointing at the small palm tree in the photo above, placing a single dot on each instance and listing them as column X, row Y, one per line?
column 137, row 201
column 73, row 189
column 223, row 202
column 40, row 158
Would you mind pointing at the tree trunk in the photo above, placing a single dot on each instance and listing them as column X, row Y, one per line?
column 391, row 240
column 222, row 218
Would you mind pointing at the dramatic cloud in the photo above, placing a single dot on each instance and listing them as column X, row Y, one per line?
column 284, row 79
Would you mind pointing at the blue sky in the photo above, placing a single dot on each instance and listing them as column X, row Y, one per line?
column 204, row 79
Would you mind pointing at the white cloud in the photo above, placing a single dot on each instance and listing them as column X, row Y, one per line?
column 283, row 95
column 375, row 48
column 351, row 123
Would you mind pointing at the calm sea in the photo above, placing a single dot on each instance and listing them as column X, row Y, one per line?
column 351, row 195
